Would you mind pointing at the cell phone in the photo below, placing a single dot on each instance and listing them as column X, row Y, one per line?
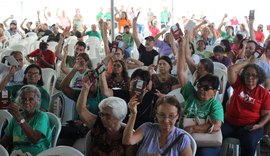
column 114, row 46
column 155, row 62
column 259, row 51
column 138, row 14
column 4, row 99
column 92, row 75
column 268, row 27
column 251, row 14
column 12, row 61
column 190, row 25
column 176, row 31
column 138, row 89
column 226, row 15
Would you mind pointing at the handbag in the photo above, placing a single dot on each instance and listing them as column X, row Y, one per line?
column 203, row 139
column 178, row 139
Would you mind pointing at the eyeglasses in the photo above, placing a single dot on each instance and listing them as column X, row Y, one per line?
column 204, row 87
column 31, row 100
column 117, row 65
column 164, row 116
column 253, row 75
column 33, row 74
column 104, row 115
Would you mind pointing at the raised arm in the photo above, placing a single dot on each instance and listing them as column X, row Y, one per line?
column 220, row 25
column 7, row 78
column 181, row 63
column 5, row 21
column 251, row 29
column 135, row 33
column 234, row 70
column 160, row 34
column 23, row 24
column 60, row 43
column 129, row 136
column 103, row 32
column 64, row 86
column 86, row 116
column 63, row 63
column 105, row 90
column 196, row 28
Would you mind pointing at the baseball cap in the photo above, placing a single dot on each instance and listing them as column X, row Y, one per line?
column 151, row 38
column 13, row 22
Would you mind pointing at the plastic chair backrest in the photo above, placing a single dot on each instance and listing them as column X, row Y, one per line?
column 218, row 65
column 4, row 116
column 49, row 77
column 177, row 94
column 56, row 127
column 61, row 151
column 192, row 141
column 3, row 151
column 44, row 38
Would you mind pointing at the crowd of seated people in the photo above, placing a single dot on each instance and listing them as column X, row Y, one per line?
column 125, row 120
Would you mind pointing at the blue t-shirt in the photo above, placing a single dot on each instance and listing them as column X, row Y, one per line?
column 149, row 144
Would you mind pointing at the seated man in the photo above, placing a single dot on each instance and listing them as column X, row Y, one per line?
column 43, row 57
column 29, row 130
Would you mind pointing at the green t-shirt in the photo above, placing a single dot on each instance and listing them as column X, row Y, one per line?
column 224, row 35
column 204, row 54
column 99, row 15
column 107, row 16
column 165, row 16
column 128, row 39
column 94, row 34
column 45, row 97
column 193, row 107
column 39, row 122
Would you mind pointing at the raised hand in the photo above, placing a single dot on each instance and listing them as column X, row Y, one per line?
column 132, row 105
column 14, row 110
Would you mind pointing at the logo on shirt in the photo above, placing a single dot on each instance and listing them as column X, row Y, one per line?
column 247, row 98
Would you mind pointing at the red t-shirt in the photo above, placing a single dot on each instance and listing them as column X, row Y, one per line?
column 245, row 108
column 259, row 36
column 48, row 56
column 153, row 30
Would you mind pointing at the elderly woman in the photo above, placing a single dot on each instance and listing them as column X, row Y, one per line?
column 106, row 128
column 33, row 76
column 156, row 137
column 249, row 107
column 164, row 82
column 200, row 103
column 29, row 130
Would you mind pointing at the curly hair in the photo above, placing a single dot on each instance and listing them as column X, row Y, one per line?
column 260, row 72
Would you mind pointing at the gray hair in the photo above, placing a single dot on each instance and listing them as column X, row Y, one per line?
column 118, row 106
column 32, row 89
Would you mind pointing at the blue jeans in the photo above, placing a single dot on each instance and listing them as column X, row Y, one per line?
column 248, row 139
column 208, row 151
column 140, row 29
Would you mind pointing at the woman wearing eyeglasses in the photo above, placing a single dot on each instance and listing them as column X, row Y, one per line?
column 29, row 130
column 106, row 128
column 200, row 102
column 119, row 76
column 33, row 76
column 249, row 107
column 154, row 138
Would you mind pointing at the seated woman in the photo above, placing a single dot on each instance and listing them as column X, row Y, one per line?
column 155, row 138
column 107, row 127
column 164, row 82
column 33, row 76
column 249, row 107
column 200, row 103
column 29, row 130
column 82, row 61
column 119, row 76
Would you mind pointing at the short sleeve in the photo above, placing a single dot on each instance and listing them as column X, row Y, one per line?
column 188, row 90
column 10, row 127
column 45, row 98
column 266, row 103
column 141, row 48
column 42, row 123
column 217, row 112
column 185, row 143
column 145, row 128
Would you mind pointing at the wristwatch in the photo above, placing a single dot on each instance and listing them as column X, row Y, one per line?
column 22, row 121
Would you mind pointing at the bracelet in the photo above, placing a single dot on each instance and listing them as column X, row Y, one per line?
column 210, row 130
column 22, row 121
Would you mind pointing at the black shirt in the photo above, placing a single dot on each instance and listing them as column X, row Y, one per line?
column 147, row 57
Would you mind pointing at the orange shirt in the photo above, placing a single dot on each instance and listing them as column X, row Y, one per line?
column 122, row 23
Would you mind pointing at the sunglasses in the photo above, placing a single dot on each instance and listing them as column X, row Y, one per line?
column 204, row 87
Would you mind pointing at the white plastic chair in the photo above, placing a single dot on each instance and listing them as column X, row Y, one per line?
column 31, row 34
column 33, row 46
column 61, row 151
column 3, row 151
column 44, row 38
column 222, row 75
column 52, row 46
column 218, row 65
column 5, row 52
column 192, row 141
column 49, row 77
column 4, row 116
column 177, row 94
column 21, row 48
column 56, row 127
